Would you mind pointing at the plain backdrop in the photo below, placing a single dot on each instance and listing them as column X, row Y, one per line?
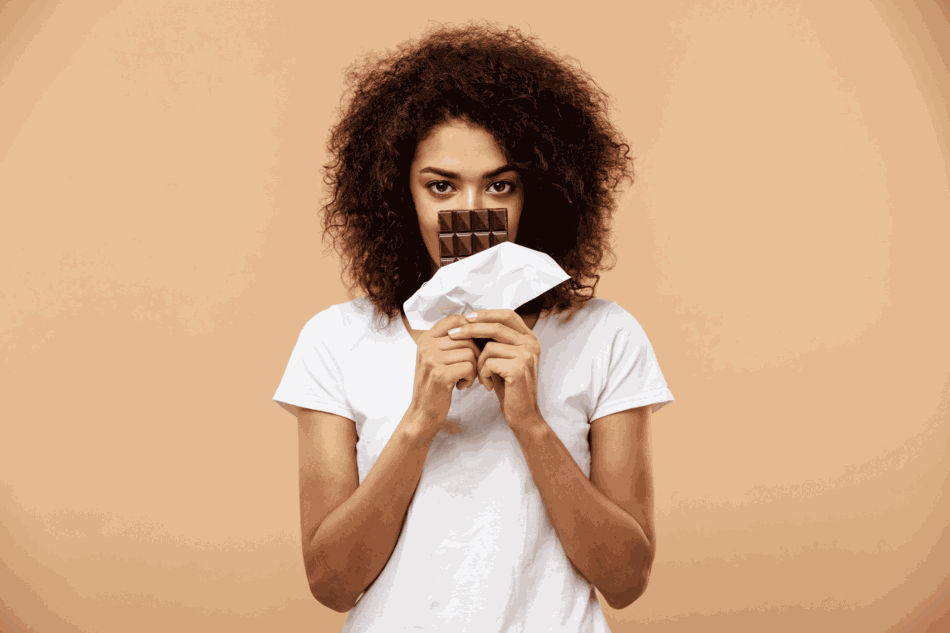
column 784, row 247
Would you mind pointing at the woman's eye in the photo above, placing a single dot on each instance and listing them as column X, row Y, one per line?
column 440, row 187
column 502, row 186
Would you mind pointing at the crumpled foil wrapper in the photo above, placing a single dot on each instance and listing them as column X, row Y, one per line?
column 504, row 276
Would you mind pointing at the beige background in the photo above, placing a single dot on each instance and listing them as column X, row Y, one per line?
column 784, row 247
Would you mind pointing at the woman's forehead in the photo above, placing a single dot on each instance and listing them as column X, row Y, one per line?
column 456, row 144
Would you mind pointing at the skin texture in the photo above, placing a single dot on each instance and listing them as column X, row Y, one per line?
column 604, row 522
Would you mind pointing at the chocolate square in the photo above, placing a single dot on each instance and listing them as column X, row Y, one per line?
column 464, row 232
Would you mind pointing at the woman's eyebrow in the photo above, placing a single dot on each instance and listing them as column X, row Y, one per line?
column 451, row 174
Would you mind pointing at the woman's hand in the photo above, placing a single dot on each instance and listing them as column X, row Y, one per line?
column 508, row 365
column 442, row 364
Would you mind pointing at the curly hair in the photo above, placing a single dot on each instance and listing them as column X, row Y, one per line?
column 547, row 115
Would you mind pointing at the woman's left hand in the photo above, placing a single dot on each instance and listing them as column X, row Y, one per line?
column 509, row 362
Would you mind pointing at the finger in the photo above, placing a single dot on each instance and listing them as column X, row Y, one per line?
column 494, row 369
column 447, row 343
column 461, row 355
column 472, row 376
column 465, row 379
column 464, row 366
column 497, row 365
column 468, row 345
column 506, row 317
column 495, row 350
column 446, row 324
column 495, row 331
column 482, row 359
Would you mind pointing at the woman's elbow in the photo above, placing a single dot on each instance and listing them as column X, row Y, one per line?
column 332, row 597
column 328, row 591
column 624, row 597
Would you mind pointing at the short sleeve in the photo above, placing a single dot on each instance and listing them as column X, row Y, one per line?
column 313, row 378
column 633, row 377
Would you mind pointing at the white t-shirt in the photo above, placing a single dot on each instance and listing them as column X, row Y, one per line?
column 477, row 552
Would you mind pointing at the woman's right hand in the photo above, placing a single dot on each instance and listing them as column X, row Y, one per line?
column 442, row 363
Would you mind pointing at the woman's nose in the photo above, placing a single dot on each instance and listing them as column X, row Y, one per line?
column 473, row 198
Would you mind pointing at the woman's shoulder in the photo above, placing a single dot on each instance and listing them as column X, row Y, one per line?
column 596, row 318
column 354, row 318
column 584, row 314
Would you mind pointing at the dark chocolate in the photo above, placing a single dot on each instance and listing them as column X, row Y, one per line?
column 464, row 232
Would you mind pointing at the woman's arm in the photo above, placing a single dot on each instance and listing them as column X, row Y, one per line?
column 349, row 530
column 604, row 523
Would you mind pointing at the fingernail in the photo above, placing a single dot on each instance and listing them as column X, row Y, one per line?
column 455, row 331
column 471, row 317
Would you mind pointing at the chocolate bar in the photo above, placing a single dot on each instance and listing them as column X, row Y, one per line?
column 464, row 232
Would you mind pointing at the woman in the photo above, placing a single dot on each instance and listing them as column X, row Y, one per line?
column 448, row 488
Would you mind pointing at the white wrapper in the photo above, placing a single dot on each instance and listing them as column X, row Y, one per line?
column 505, row 276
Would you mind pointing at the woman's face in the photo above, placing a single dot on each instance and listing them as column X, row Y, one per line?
column 459, row 166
